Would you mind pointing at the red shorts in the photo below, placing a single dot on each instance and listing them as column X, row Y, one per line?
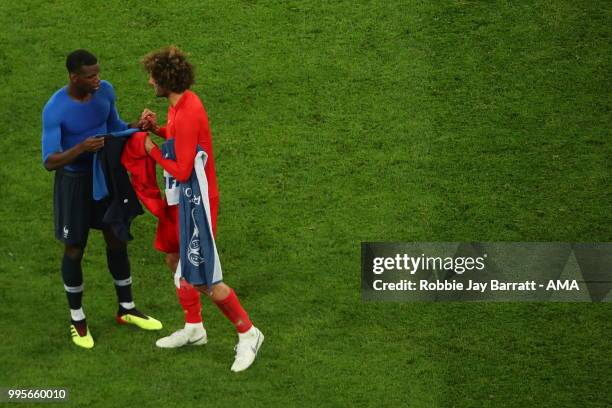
column 167, row 236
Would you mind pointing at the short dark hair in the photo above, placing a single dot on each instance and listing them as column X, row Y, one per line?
column 77, row 59
column 170, row 69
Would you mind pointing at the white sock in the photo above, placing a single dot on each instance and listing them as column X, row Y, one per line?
column 249, row 333
column 77, row 314
column 194, row 326
column 127, row 305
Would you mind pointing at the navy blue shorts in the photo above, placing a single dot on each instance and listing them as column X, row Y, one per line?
column 75, row 210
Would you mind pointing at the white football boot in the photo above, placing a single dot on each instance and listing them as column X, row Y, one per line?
column 247, row 348
column 190, row 335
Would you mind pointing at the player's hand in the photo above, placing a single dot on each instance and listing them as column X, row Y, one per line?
column 149, row 144
column 92, row 144
column 149, row 120
column 149, row 116
column 144, row 125
column 148, row 112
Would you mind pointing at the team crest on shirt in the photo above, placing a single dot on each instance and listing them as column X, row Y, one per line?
column 65, row 230
column 192, row 198
column 194, row 254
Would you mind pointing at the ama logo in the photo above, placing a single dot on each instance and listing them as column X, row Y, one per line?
column 562, row 285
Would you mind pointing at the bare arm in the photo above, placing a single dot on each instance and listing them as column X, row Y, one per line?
column 56, row 160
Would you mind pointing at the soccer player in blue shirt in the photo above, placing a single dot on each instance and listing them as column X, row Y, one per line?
column 72, row 118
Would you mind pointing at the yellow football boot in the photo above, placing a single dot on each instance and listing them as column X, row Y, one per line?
column 85, row 341
column 137, row 318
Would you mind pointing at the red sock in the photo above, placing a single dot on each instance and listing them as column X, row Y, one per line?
column 189, row 297
column 231, row 308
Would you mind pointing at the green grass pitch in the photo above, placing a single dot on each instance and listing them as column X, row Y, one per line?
column 333, row 123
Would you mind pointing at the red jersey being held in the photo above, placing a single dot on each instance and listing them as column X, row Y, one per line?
column 188, row 126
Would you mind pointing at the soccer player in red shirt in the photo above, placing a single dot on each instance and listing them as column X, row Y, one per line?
column 171, row 75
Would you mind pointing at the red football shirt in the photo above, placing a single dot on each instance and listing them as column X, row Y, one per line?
column 188, row 125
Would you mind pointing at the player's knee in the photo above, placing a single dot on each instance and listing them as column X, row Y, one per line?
column 220, row 292
column 116, row 246
column 204, row 290
column 112, row 242
column 74, row 252
column 172, row 261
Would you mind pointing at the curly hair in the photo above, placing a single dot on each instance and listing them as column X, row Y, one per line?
column 170, row 69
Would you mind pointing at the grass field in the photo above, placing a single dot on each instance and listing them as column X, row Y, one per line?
column 334, row 123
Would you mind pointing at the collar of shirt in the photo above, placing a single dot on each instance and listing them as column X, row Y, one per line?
column 172, row 110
